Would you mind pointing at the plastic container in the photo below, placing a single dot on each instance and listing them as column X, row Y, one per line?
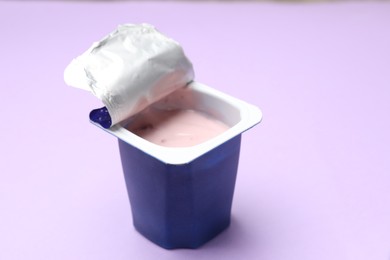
column 182, row 197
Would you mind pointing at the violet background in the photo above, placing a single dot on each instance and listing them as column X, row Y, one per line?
column 314, row 176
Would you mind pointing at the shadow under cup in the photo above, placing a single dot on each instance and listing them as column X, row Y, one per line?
column 182, row 197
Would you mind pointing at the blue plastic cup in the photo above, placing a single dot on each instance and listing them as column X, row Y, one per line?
column 182, row 197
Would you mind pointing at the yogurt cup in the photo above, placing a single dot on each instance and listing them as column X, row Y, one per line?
column 181, row 197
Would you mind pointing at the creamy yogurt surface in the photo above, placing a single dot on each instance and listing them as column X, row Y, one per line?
column 176, row 128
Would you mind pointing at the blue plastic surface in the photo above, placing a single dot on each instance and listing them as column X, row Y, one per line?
column 181, row 206
column 101, row 116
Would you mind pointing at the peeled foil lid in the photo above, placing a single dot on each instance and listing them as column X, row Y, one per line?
column 131, row 68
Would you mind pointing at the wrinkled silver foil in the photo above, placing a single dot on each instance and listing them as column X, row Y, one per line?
column 131, row 68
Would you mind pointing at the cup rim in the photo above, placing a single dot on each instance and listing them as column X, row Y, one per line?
column 250, row 116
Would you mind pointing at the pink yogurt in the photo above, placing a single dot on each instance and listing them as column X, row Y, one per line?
column 177, row 127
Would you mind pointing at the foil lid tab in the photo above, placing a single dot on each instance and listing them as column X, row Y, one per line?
column 131, row 68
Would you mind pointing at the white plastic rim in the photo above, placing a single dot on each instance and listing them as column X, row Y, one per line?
column 248, row 116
